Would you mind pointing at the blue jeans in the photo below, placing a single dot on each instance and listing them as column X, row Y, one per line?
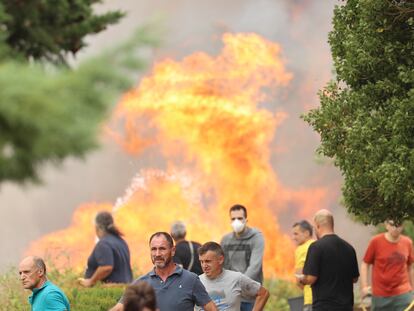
column 246, row 306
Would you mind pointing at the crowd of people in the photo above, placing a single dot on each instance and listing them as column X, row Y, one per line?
column 229, row 276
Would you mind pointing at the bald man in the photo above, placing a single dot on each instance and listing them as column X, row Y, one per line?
column 45, row 295
column 331, row 267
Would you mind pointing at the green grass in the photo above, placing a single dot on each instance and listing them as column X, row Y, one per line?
column 101, row 297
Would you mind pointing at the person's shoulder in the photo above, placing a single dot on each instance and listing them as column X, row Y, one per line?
column 54, row 293
column 254, row 235
column 406, row 239
column 377, row 240
column 188, row 274
column 112, row 238
column 106, row 240
column 231, row 273
column 256, row 232
column 181, row 245
column 227, row 237
column 378, row 237
column 52, row 287
column 144, row 277
column 345, row 244
column 196, row 244
column 303, row 248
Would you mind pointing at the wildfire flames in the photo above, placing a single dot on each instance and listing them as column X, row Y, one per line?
column 201, row 120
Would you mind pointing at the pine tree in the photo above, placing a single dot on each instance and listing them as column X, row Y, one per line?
column 49, row 111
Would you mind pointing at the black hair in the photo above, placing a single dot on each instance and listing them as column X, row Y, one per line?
column 166, row 235
column 304, row 226
column 238, row 207
column 211, row 246
column 105, row 221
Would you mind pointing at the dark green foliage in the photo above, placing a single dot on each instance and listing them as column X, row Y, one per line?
column 94, row 299
column 366, row 117
column 49, row 29
column 280, row 292
column 49, row 113
column 99, row 298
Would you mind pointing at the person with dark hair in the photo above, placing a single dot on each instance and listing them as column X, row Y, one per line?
column 110, row 259
column 140, row 297
column 185, row 251
column 45, row 295
column 226, row 287
column 331, row 267
column 243, row 249
column 391, row 256
column 176, row 289
column 302, row 236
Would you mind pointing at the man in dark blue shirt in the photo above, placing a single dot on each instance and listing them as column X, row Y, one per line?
column 175, row 288
column 110, row 259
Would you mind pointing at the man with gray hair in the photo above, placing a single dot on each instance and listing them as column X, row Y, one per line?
column 45, row 295
column 185, row 251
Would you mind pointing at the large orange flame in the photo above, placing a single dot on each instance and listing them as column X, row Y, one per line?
column 202, row 118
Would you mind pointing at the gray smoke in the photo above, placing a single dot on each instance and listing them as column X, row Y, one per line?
column 301, row 27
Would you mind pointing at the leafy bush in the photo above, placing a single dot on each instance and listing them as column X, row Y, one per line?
column 280, row 291
column 103, row 296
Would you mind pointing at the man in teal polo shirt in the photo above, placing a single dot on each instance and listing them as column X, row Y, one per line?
column 45, row 295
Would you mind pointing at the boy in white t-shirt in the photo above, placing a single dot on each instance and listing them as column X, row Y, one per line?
column 225, row 287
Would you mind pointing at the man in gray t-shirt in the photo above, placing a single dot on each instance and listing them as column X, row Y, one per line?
column 226, row 288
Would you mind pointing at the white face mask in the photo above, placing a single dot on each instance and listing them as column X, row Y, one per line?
column 238, row 225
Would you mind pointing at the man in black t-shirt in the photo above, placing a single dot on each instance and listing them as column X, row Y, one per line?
column 186, row 254
column 331, row 268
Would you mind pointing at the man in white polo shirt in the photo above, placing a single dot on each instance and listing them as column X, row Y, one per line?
column 226, row 287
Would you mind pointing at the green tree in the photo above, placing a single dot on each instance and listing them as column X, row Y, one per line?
column 49, row 111
column 49, row 29
column 366, row 114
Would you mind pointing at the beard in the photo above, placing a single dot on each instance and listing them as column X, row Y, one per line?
column 161, row 262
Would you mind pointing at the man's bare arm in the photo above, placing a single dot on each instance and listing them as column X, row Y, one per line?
column 410, row 274
column 100, row 273
column 118, row 307
column 261, row 299
column 208, row 307
column 308, row 279
column 364, row 279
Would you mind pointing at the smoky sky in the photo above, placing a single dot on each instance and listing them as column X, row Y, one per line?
column 300, row 27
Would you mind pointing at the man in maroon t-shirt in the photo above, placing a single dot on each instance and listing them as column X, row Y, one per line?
column 391, row 255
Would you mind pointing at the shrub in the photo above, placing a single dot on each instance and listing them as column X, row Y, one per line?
column 104, row 296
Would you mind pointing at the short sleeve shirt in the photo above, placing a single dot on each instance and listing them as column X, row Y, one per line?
column 333, row 261
column 183, row 256
column 181, row 291
column 111, row 251
column 300, row 256
column 49, row 297
column 228, row 288
column 390, row 262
